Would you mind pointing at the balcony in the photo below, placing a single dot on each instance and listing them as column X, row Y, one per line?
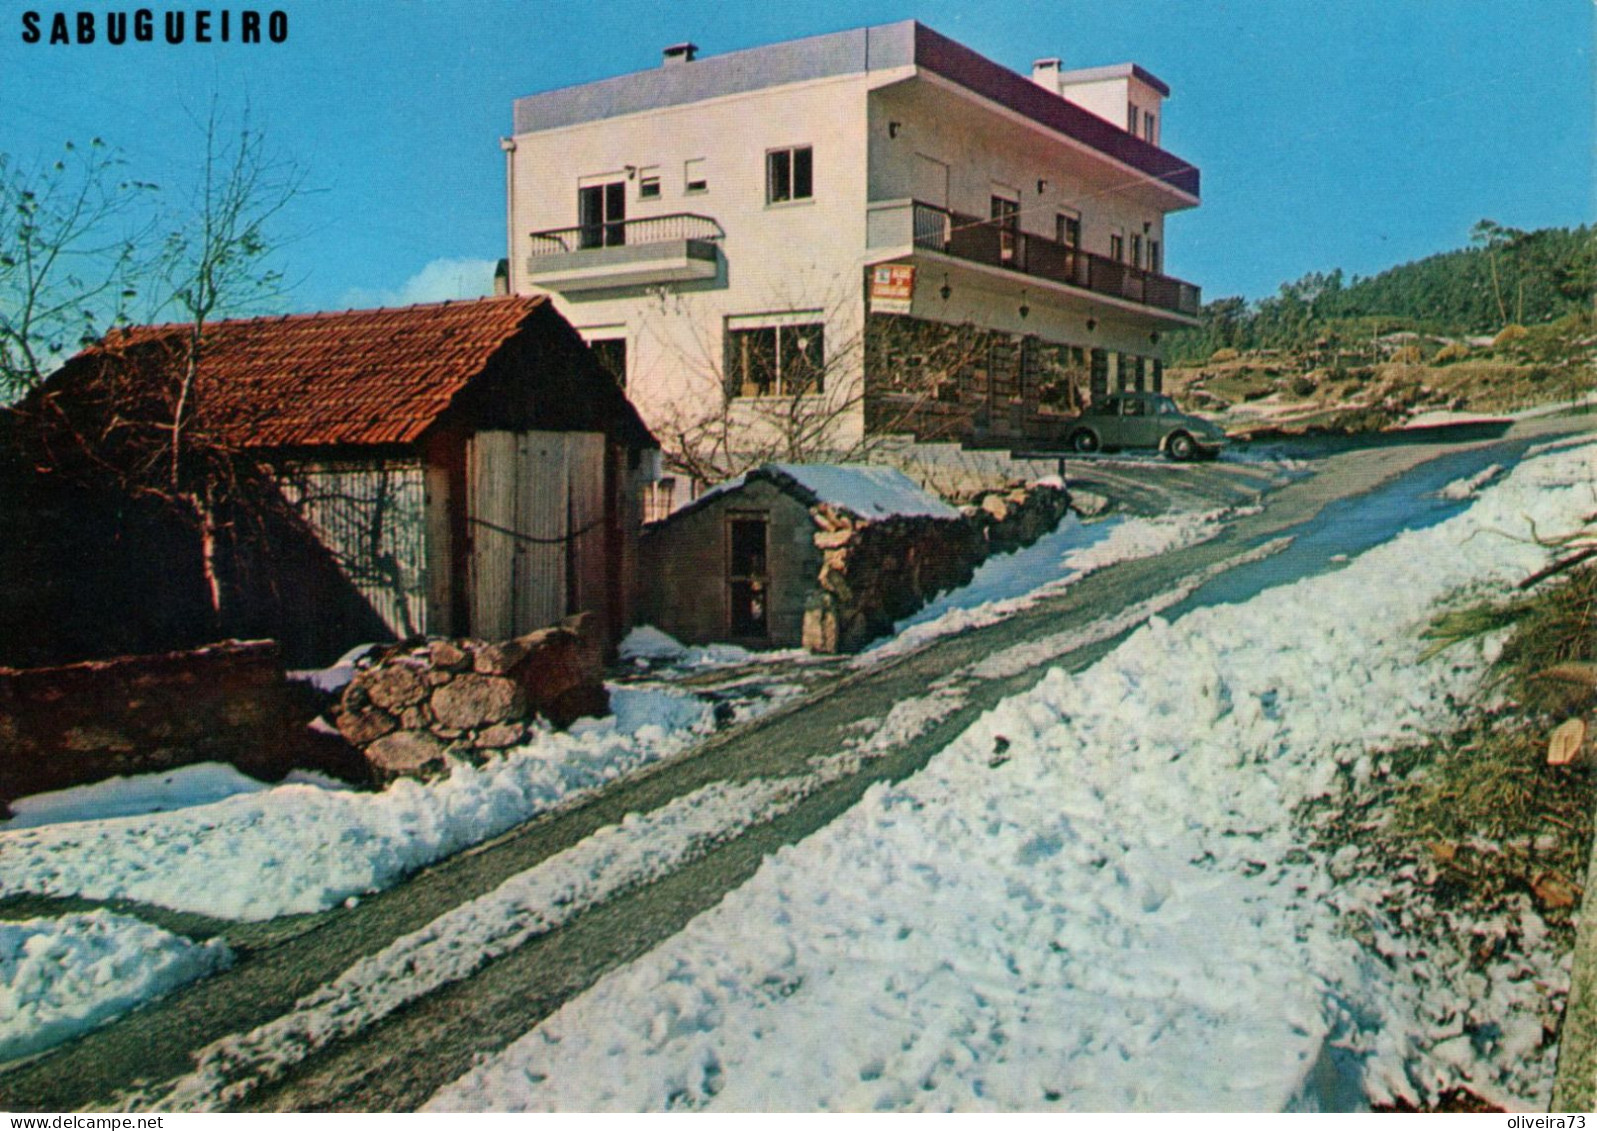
column 677, row 248
column 994, row 244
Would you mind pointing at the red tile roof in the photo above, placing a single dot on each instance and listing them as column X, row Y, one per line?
column 357, row 377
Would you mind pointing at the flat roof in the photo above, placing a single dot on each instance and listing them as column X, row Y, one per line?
column 858, row 51
column 1116, row 71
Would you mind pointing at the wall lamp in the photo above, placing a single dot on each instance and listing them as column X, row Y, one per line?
column 945, row 290
column 1024, row 309
column 1154, row 337
column 893, row 128
column 1092, row 324
column 1042, row 186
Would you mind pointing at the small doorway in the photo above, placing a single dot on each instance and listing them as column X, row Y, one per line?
column 748, row 585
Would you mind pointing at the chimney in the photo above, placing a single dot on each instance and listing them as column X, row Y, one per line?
column 678, row 53
column 1045, row 73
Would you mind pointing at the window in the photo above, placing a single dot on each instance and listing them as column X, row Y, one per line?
column 776, row 361
column 1155, row 258
column 1067, row 229
column 694, row 176
column 602, row 214
column 1136, row 250
column 649, row 183
column 1117, row 246
column 789, row 174
column 1131, row 118
column 1148, row 127
column 1006, row 218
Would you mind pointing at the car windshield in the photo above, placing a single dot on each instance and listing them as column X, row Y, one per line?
column 1164, row 405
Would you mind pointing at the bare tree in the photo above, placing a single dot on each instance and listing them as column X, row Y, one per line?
column 132, row 420
column 71, row 256
column 836, row 387
column 215, row 261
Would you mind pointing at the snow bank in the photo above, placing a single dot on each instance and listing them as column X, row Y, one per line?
column 1006, row 583
column 61, row 977
column 200, row 784
column 1096, row 897
column 302, row 847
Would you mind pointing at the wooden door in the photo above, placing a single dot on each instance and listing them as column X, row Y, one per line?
column 535, row 508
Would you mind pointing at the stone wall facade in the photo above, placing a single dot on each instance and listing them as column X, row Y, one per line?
column 79, row 723
column 874, row 574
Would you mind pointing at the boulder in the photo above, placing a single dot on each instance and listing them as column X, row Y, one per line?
column 499, row 736
column 562, row 673
column 478, row 701
column 447, row 657
column 365, row 725
column 393, row 687
column 406, row 753
column 502, row 658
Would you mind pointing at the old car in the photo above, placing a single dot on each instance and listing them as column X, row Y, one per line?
column 1144, row 420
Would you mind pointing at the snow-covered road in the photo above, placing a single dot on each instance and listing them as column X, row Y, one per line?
column 1056, row 911
column 1096, row 897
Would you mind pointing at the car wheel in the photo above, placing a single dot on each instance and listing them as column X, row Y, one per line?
column 1084, row 441
column 1180, row 447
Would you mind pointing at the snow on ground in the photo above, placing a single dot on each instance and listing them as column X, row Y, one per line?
column 641, row 848
column 302, row 847
column 60, row 977
column 1006, row 583
column 201, row 784
column 648, row 647
column 1097, row 896
column 1470, row 486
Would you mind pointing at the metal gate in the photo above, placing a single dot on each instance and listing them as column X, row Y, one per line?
column 535, row 505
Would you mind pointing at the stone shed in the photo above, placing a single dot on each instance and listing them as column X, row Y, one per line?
column 819, row 555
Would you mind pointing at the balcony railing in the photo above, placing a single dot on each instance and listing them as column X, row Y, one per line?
column 1000, row 244
column 626, row 233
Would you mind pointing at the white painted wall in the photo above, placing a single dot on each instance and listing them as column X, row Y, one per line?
column 804, row 255
column 982, row 149
column 1109, row 97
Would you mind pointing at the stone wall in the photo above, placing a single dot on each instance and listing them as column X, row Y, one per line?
column 1018, row 515
column 411, row 706
column 874, row 574
column 80, row 723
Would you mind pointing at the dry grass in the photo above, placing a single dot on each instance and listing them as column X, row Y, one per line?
column 1483, row 808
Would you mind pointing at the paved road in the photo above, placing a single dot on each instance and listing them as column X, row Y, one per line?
column 396, row 1063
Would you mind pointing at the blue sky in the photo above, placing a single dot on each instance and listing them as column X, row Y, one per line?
column 1339, row 133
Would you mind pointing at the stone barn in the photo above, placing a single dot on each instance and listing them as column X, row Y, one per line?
column 823, row 556
column 455, row 469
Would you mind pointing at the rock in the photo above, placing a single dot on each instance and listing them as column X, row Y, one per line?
column 394, row 686
column 406, row 754
column 1565, row 744
column 501, row 658
column 499, row 736
column 477, row 701
column 415, row 718
column 360, row 727
column 997, row 506
column 563, row 671
column 448, row 656
column 436, row 678
column 832, row 539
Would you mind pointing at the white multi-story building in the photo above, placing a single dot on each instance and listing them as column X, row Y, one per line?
column 878, row 230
